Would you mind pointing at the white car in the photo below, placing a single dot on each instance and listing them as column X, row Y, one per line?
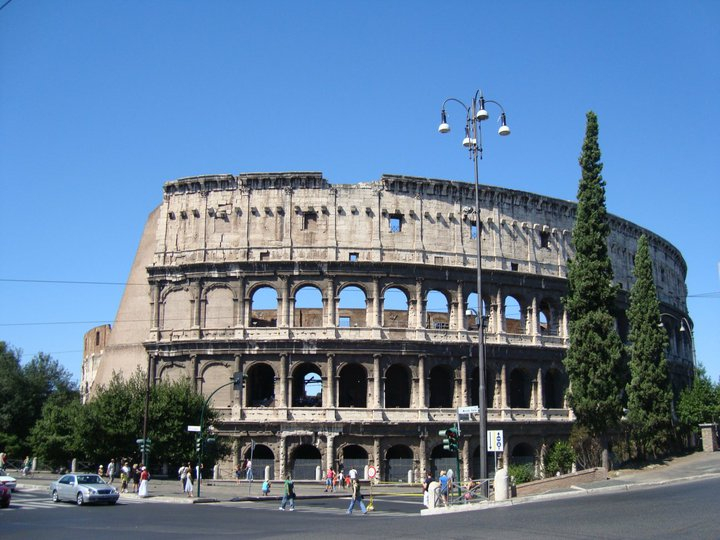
column 6, row 480
column 83, row 489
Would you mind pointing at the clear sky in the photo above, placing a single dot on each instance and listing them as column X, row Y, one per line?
column 101, row 102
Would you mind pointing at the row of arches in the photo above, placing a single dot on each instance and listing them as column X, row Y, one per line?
column 399, row 459
column 352, row 387
column 353, row 306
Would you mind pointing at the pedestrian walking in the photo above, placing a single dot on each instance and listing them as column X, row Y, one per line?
column 341, row 477
column 188, row 482
column 124, row 471
column 426, row 489
column 288, row 494
column 182, row 475
column 238, row 473
column 249, row 471
column 356, row 498
column 266, row 488
column 444, row 481
column 111, row 470
column 27, row 464
column 144, row 479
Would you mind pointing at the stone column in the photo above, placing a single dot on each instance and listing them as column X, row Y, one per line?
column 195, row 367
column 284, row 315
column 539, row 399
column 155, row 307
column 331, row 303
column 461, row 318
column 422, row 402
column 420, row 306
column 422, row 457
column 466, row 458
column 238, row 394
column 463, row 382
column 282, row 457
column 330, row 451
column 376, row 456
column 533, row 313
column 500, row 319
column 284, row 398
column 376, row 381
column 329, row 395
column 197, row 307
column 503, row 387
column 239, row 314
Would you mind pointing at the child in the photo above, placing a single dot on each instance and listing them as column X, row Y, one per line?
column 266, row 488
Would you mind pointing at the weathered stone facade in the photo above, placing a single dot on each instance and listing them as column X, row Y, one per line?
column 362, row 381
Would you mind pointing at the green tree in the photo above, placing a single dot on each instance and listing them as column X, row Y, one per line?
column 55, row 436
column 648, row 392
column 698, row 403
column 12, row 402
column 594, row 361
column 559, row 458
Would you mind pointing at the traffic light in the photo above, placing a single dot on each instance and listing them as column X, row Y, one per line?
column 450, row 438
column 198, row 444
column 238, row 380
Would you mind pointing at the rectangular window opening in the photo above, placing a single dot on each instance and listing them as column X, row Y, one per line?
column 344, row 322
column 354, row 257
column 396, row 223
column 545, row 239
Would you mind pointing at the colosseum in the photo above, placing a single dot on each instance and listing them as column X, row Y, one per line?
column 350, row 310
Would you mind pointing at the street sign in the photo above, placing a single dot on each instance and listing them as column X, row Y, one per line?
column 469, row 410
column 194, row 428
column 372, row 471
column 495, row 441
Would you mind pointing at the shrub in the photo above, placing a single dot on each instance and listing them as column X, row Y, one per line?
column 521, row 472
column 559, row 459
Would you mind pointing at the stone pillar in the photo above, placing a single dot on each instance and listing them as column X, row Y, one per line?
column 463, row 382
column 238, row 394
column 329, row 394
column 466, row 459
column 155, row 301
column 422, row 457
column 376, row 311
column 503, row 387
column 284, row 398
column 195, row 367
column 330, row 451
column 420, row 306
column 239, row 314
column 376, row 381
column 376, row 457
column 539, row 399
column 284, row 315
column 533, row 313
column 422, row 402
column 709, row 437
column 461, row 307
column 330, row 304
column 282, row 457
column 197, row 306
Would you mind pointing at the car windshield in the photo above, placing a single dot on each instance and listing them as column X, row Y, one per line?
column 90, row 479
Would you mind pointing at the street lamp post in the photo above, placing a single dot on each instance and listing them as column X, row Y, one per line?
column 475, row 114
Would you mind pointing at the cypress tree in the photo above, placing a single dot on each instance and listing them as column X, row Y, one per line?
column 648, row 392
column 594, row 360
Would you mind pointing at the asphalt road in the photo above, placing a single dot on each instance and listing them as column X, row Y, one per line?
column 682, row 510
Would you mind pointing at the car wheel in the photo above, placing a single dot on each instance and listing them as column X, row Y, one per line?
column 55, row 497
column 5, row 504
column 80, row 499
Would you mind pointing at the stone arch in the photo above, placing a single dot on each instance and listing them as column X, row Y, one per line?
column 213, row 375
column 308, row 306
column 395, row 310
column 219, row 309
column 522, row 452
column 548, row 318
column 399, row 459
column 470, row 307
column 352, row 306
column 441, row 460
column 354, row 456
column 304, row 461
column 490, row 460
column 260, row 385
column 305, row 379
column 352, row 386
column 398, row 388
column 513, row 316
column 437, row 310
column 262, row 456
column 176, row 310
column 171, row 373
column 490, row 389
column 553, row 389
column 520, row 389
column 263, row 306
column 442, row 386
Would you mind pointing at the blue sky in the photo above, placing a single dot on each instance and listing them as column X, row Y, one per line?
column 101, row 102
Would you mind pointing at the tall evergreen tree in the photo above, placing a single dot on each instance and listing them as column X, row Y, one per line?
column 648, row 392
column 594, row 361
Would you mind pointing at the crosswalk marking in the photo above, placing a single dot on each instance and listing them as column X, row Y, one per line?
column 24, row 501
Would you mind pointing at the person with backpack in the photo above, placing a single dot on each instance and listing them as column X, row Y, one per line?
column 288, row 494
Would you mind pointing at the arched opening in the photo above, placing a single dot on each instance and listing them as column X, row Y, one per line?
column 437, row 311
column 442, row 460
column 512, row 315
column 260, row 386
column 353, row 386
column 519, row 389
column 307, row 386
column 352, row 308
column 553, row 389
column 546, row 327
column 354, row 457
column 177, row 310
column 491, row 462
column 397, row 387
column 263, row 307
column 489, row 388
column 308, row 307
column 219, row 307
column 398, row 461
column 261, row 457
column 471, row 312
column 395, row 309
column 522, row 453
column 305, row 461
column 442, row 386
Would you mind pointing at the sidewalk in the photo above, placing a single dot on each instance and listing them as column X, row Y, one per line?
column 697, row 466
